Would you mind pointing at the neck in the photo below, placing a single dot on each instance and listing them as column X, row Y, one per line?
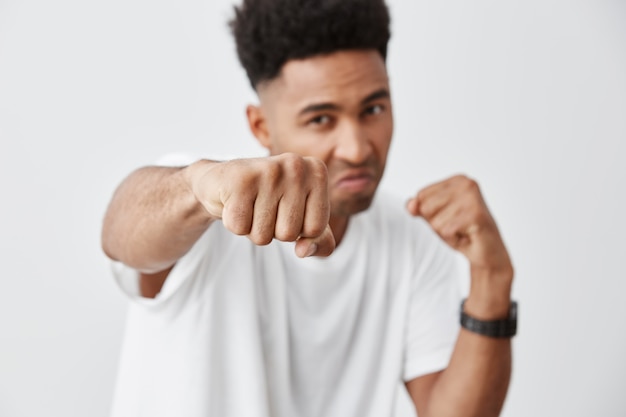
column 338, row 225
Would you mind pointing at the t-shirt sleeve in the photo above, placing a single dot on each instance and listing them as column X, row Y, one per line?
column 191, row 265
column 433, row 311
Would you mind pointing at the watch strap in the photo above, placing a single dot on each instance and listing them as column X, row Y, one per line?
column 502, row 328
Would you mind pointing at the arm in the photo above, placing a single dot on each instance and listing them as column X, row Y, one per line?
column 476, row 380
column 154, row 218
column 157, row 214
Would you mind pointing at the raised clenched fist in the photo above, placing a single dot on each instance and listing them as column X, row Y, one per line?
column 456, row 210
column 282, row 197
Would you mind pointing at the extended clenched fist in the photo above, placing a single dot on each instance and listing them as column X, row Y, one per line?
column 282, row 197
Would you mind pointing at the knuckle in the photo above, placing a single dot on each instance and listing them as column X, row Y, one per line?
column 286, row 233
column 478, row 217
column 459, row 178
column 293, row 163
column 437, row 225
column 295, row 170
column 448, row 231
column 318, row 169
column 235, row 219
column 235, row 225
column 421, row 198
column 314, row 229
column 426, row 209
column 260, row 238
column 470, row 183
column 272, row 171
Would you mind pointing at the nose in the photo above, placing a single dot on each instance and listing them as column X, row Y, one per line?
column 352, row 144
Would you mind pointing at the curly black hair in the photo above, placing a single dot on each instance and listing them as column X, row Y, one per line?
column 268, row 33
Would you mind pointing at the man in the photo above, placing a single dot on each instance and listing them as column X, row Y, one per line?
column 365, row 297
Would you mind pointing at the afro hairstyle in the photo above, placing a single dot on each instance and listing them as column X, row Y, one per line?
column 268, row 33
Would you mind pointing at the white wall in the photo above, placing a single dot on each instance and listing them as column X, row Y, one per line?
column 527, row 97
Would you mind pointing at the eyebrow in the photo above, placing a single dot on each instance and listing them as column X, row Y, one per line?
column 313, row 108
column 376, row 95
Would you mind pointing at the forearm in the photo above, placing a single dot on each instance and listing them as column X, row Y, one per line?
column 153, row 219
column 477, row 378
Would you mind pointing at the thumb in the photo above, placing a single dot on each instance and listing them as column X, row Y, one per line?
column 323, row 245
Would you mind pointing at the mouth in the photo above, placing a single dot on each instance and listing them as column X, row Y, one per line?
column 356, row 181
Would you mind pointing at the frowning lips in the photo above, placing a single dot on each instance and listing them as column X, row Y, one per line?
column 356, row 179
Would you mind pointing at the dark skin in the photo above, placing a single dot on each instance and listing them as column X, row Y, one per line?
column 327, row 123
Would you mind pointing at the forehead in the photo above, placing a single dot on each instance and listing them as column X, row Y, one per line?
column 340, row 77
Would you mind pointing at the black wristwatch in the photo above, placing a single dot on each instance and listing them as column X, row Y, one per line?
column 493, row 328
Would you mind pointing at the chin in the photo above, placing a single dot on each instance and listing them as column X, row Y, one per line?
column 354, row 205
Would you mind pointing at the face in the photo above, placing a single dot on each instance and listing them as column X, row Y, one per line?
column 336, row 108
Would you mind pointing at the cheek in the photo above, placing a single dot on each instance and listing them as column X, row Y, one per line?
column 381, row 137
column 303, row 142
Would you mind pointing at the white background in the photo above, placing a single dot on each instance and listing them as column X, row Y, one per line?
column 527, row 97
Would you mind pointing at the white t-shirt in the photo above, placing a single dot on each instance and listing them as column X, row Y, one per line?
column 240, row 330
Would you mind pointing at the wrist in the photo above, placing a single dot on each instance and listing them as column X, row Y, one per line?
column 490, row 293
column 194, row 176
column 194, row 172
column 502, row 327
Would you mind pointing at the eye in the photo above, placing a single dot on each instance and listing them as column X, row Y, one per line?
column 320, row 120
column 375, row 109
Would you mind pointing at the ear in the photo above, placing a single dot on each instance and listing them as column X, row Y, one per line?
column 258, row 125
